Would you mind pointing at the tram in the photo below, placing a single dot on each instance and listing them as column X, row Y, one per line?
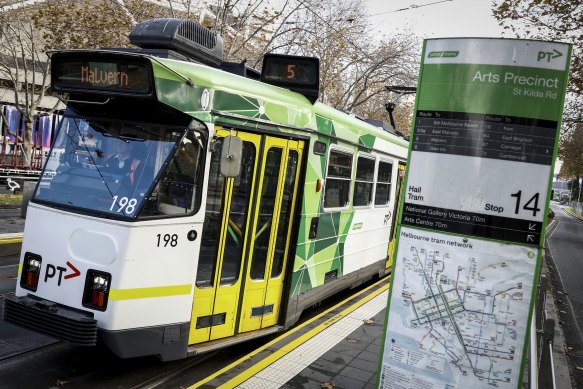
column 188, row 204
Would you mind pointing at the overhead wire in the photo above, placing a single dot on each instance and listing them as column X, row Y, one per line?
column 411, row 7
column 333, row 28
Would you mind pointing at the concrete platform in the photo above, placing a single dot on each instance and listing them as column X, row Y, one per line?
column 11, row 229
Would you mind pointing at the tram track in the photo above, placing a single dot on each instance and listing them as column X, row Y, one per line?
column 160, row 380
column 97, row 367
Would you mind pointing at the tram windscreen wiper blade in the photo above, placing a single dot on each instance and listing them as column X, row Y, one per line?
column 92, row 160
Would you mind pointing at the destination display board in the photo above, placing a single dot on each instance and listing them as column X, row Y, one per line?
column 471, row 226
column 77, row 71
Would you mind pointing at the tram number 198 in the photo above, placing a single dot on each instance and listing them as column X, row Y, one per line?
column 127, row 205
column 167, row 240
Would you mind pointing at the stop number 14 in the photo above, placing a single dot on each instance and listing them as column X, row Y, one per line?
column 531, row 204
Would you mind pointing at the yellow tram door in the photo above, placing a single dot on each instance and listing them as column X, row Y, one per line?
column 399, row 195
column 245, row 239
column 223, row 243
column 272, row 231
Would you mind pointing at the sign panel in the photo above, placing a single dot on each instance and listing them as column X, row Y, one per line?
column 473, row 216
column 75, row 72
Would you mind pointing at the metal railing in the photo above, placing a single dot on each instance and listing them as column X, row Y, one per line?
column 542, row 332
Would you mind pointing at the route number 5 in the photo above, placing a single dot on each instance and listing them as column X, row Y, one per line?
column 291, row 72
column 531, row 205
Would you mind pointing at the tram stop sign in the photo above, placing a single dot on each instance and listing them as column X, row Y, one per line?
column 471, row 226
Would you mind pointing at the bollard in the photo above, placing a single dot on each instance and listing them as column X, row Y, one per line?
column 27, row 192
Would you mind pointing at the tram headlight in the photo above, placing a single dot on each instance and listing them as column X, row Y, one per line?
column 30, row 271
column 96, row 291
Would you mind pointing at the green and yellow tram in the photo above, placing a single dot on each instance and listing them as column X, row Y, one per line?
column 184, row 207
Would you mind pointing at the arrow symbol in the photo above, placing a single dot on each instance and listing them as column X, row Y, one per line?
column 531, row 226
column 557, row 54
column 530, row 238
column 75, row 271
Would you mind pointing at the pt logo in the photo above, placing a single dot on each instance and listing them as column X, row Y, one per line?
column 548, row 55
column 52, row 270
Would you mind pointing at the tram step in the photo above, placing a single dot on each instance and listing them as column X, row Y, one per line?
column 212, row 345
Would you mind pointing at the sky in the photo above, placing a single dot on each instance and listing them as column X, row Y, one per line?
column 455, row 18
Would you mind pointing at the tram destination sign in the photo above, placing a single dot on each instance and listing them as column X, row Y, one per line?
column 472, row 220
column 94, row 74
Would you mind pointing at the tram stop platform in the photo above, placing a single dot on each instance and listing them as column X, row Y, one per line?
column 11, row 229
column 339, row 348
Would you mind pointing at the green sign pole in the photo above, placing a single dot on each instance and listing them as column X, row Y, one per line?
column 471, row 226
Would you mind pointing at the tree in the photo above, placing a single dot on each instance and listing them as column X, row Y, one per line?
column 249, row 28
column 571, row 153
column 355, row 66
column 246, row 26
column 559, row 20
column 24, row 68
column 107, row 25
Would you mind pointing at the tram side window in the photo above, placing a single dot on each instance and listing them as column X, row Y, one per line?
column 176, row 192
column 338, row 177
column 383, row 189
column 364, row 182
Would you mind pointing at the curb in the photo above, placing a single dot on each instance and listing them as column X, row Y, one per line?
column 10, row 244
column 560, row 363
column 10, row 206
column 572, row 212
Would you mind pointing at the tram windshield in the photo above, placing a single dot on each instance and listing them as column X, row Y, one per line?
column 123, row 169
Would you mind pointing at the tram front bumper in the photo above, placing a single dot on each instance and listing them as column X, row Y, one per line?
column 51, row 319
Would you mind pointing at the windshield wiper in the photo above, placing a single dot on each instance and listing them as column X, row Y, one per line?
column 92, row 160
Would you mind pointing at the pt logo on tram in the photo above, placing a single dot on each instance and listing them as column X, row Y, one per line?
column 51, row 271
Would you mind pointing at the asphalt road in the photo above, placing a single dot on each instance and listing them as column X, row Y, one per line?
column 565, row 242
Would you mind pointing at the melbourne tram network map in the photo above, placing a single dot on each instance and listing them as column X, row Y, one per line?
column 454, row 312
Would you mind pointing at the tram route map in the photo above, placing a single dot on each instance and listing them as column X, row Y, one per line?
column 457, row 312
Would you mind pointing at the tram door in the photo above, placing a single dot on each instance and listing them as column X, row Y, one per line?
column 399, row 195
column 245, row 239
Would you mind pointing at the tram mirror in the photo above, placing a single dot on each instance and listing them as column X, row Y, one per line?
column 231, row 156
